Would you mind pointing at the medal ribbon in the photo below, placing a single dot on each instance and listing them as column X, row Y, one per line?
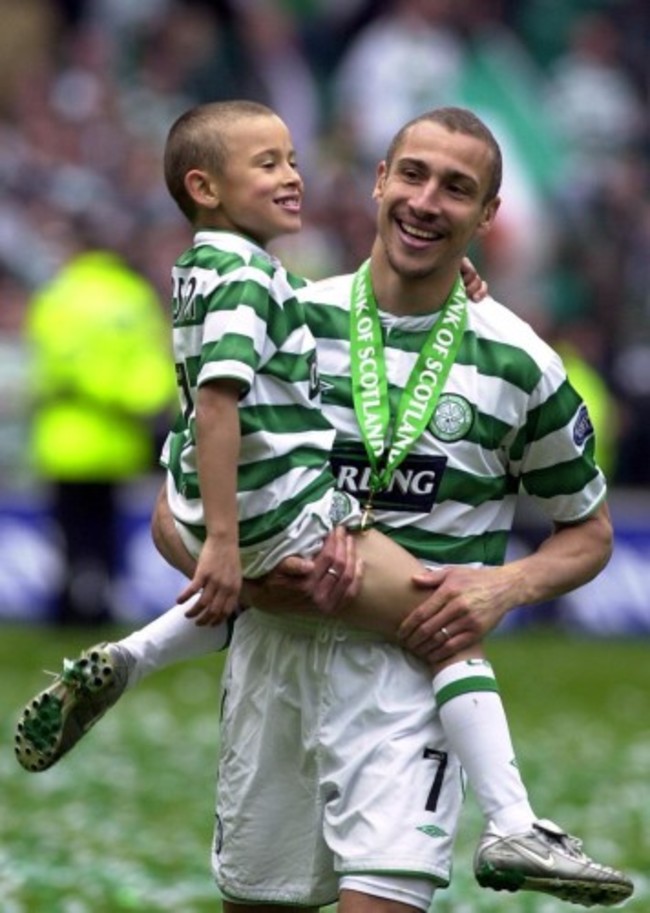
column 385, row 448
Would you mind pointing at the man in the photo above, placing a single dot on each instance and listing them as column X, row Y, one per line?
column 335, row 776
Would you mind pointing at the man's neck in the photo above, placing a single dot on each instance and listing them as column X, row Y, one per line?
column 403, row 296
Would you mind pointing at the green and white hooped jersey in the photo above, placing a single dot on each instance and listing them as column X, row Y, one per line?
column 507, row 420
column 236, row 316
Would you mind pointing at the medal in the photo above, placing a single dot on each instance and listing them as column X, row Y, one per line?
column 388, row 439
column 367, row 519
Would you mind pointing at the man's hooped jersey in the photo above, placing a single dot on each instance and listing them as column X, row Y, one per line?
column 507, row 420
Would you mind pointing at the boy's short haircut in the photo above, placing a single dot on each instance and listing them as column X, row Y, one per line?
column 196, row 140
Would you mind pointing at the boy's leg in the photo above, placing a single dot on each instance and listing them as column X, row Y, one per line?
column 473, row 717
column 172, row 638
column 475, row 722
column 56, row 719
column 465, row 690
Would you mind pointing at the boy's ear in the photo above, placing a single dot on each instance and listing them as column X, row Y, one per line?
column 202, row 188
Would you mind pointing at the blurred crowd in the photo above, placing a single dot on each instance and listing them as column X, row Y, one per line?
column 89, row 88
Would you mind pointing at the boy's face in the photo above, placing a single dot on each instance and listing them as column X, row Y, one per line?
column 432, row 200
column 260, row 189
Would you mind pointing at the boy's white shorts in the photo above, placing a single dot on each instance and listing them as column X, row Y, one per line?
column 332, row 762
column 305, row 536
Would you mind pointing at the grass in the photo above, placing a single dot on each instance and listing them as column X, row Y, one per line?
column 125, row 821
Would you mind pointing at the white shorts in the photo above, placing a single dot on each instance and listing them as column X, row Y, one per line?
column 305, row 536
column 333, row 762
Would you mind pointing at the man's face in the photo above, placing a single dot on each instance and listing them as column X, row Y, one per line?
column 432, row 200
column 260, row 189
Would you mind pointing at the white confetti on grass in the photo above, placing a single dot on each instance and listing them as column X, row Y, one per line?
column 125, row 821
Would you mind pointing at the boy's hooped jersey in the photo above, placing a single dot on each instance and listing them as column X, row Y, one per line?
column 507, row 420
column 236, row 316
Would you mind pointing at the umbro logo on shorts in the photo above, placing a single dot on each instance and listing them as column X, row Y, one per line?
column 432, row 830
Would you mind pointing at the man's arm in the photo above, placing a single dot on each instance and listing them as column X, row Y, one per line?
column 166, row 539
column 467, row 603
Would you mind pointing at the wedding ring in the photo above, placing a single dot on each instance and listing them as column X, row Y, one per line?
column 330, row 570
column 445, row 633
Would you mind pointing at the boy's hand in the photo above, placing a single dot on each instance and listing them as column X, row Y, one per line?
column 475, row 287
column 218, row 579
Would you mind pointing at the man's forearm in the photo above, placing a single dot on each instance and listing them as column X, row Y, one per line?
column 166, row 538
column 572, row 556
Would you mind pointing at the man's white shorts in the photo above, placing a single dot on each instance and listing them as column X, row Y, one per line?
column 333, row 762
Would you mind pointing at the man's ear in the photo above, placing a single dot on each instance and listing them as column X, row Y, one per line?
column 202, row 188
column 379, row 181
column 489, row 215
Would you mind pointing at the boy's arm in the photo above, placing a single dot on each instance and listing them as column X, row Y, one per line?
column 475, row 286
column 218, row 571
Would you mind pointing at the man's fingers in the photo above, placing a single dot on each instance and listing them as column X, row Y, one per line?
column 295, row 566
column 419, row 623
column 335, row 571
column 428, row 580
column 332, row 558
column 192, row 596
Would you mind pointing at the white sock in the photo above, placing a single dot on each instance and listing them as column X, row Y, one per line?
column 172, row 638
column 475, row 723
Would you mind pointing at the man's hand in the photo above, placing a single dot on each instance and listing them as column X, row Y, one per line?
column 465, row 604
column 319, row 584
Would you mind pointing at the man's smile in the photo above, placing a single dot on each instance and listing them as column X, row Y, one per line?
column 418, row 233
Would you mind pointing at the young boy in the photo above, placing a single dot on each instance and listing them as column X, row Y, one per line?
column 248, row 478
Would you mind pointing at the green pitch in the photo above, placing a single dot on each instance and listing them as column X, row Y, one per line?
column 124, row 822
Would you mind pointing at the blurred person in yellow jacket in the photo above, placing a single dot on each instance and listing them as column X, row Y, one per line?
column 580, row 345
column 103, row 380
